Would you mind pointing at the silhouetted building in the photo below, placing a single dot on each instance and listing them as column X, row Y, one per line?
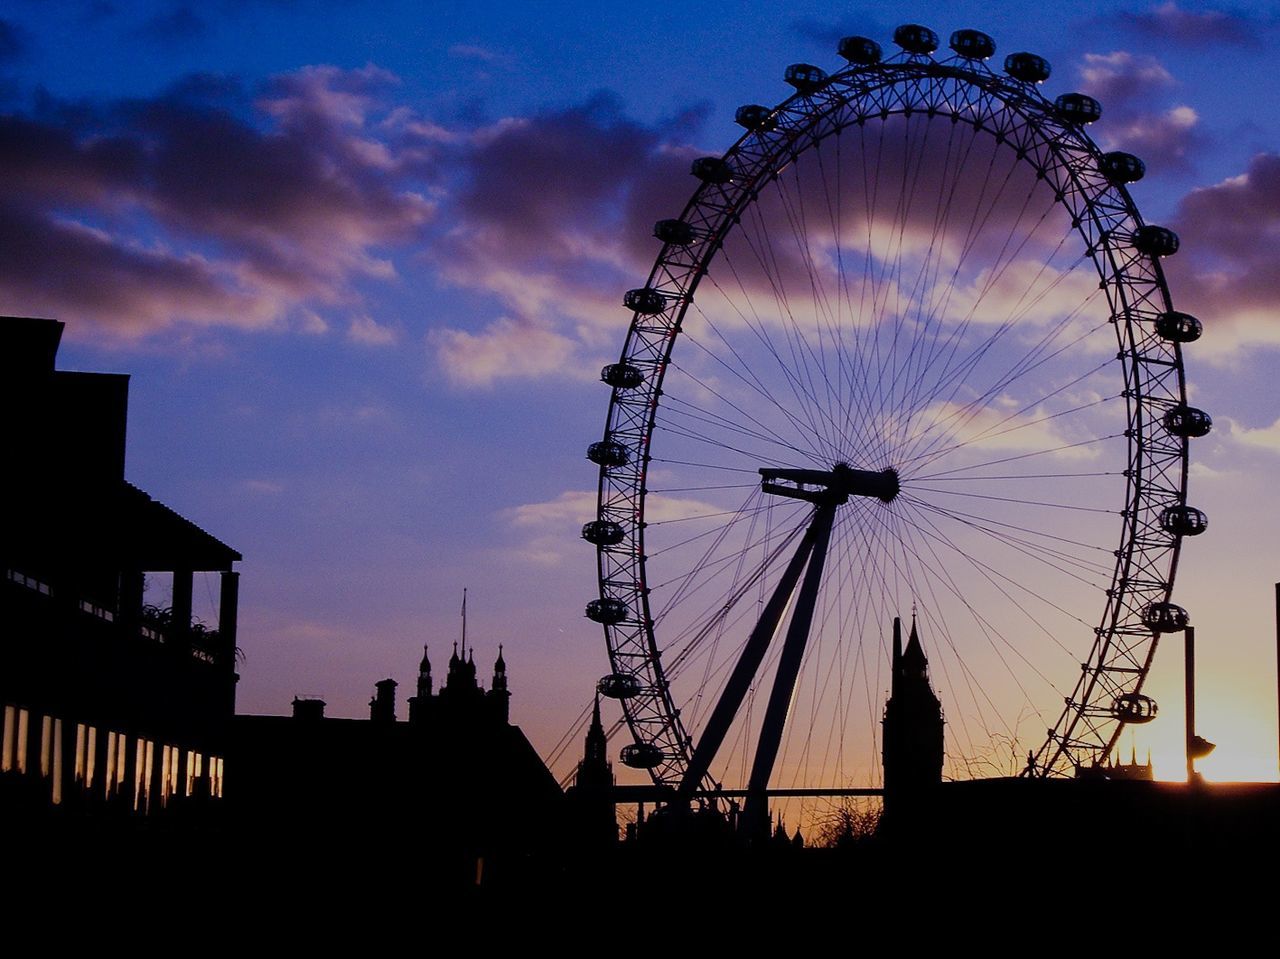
column 1132, row 770
column 456, row 782
column 592, row 814
column 913, row 725
column 108, row 702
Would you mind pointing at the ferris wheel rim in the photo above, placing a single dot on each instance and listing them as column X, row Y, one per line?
column 920, row 84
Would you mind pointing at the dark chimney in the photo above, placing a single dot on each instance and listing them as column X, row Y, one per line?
column 309, row 710
column 382, row 708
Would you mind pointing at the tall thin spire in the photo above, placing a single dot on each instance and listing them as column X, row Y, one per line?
column 464, row 622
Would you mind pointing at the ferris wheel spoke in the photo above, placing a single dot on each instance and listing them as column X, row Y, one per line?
column 763, row 431
column 927, row 527
column 946, row 355
column 938, row 568
column 994, row 430
column 1046, row 553
column 1032, row 360
column 1019, row 457
column 1065, row 563
column 764, row 253
column 745, row 372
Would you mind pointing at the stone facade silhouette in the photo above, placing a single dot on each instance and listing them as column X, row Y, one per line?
column 456, row 780
column 109, row 701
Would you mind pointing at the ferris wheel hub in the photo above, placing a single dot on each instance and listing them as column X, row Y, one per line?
column 833, row 486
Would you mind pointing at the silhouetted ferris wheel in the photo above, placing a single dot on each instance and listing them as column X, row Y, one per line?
column 909, row 344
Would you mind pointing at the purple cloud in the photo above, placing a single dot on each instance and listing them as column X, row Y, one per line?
column 1227, row 272
column 553, row 218
column 1126, row 84
column 140, row 214
column 1168, row 21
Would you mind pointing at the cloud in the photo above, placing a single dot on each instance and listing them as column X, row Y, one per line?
column 1265, row 437
column 1194, row 28
column 572, row 508
column 1226, row 272
column 1169, row 138
column 208, row 204
column 1123, row 77
column 367, row 331
column 284, row 206
column 473, row 51
column 504, row 349
column 552, row 218
column 1127, row 84
column 998, row 427
column 263, row 487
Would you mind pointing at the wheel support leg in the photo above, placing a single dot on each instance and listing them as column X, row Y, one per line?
column 756, row 811
column 748, row 665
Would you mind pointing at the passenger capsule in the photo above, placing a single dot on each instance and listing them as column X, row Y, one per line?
column 608, row 453
column 608, row 611
column 1165, row 618
column 1183, row 521
column 1027, row 67
column 619, row 686
column 1134, row 708
column 915, row 39
column 603, row 532
column 1121, row 167
column 973, row 44
column 1178, row 327
column 712, row 170
column 675, row 232
column 805, row 77
column 755, row 117
column 860, row 50
column 1155, row 240
column 622, row 376
column 1078, row 108
column 645, row 301
column 642, row 756
column 1187, row 422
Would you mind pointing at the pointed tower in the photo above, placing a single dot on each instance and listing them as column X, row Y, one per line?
column 499, row 697
column 595, row 770
column 594, row 820
column 912, row 725
column 421, row 703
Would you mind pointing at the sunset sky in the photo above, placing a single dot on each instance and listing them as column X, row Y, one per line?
column 364, row 263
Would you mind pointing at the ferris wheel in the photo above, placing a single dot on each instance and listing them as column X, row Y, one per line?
column 908, row 347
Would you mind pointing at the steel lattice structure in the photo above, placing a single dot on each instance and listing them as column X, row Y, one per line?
column 1046, row 137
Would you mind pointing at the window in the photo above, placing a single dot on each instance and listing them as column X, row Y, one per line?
column 8, row 739
column 24, row 731
column 57, row 762
column 93, row 609
column 46, row 745
column 30, row 582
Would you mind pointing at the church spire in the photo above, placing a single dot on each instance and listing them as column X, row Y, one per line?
column 595, row 770
column 424, row 675
column 464, row 622
column 597, row 746
column 914, row 664
column 499, row 671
